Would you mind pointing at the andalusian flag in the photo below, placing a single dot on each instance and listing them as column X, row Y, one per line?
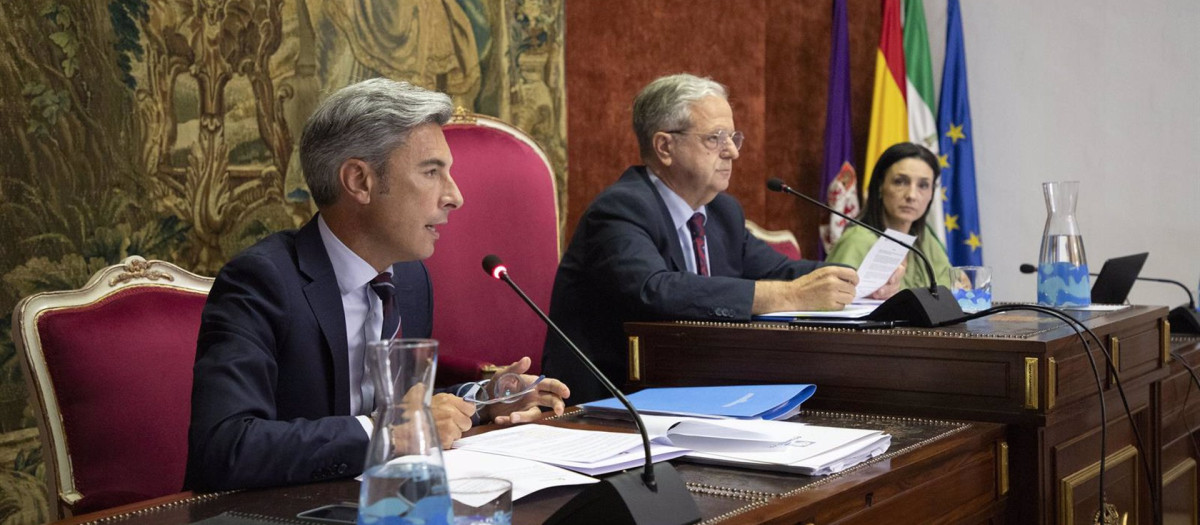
column 958, row 167
column 889, row 116
column 922, row 129
column 839, row 184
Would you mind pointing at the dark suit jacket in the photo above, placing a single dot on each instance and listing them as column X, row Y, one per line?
column 625, row 264
column 271, row 393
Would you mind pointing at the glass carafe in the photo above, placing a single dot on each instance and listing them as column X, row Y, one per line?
column 404, row 477
column 1062, row 265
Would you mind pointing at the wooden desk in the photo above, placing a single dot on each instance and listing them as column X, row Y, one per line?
column 936, row 472
column 1021, row 368
column 1181, row 435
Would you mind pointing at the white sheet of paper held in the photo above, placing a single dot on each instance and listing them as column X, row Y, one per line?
column 879, row 264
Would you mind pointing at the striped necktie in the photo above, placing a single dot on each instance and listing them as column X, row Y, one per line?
column 383, row 287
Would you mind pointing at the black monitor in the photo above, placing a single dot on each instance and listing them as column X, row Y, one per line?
column 1116, row 278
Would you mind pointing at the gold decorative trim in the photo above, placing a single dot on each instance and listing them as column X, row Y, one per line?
column 1178, row 471
column 199, row 498
column 1114, row 350
column 1067, row 486
column 635, row 359
column 1051, row 382
column 1002, row 468
column 488, row 370
column 463, row 115
column 139, row 269
column 1031, row 382
column 1164, row 328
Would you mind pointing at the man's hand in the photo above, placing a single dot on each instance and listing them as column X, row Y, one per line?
column 893, row 283
column 826, row 288
column 452, row 415
column 549, row 393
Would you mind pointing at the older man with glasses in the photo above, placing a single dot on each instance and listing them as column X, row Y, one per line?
column 665, row 242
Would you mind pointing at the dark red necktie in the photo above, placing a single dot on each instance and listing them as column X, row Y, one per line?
column 696, row 226
column 382, row 285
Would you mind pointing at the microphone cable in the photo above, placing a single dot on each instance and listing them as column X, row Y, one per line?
column 1079, row 327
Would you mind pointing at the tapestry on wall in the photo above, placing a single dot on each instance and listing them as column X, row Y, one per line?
column 168, row 129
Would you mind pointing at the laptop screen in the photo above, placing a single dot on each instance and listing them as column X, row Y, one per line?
column 1116, row 278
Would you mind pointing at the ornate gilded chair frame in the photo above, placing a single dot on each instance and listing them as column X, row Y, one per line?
column 773, row 236
column 463, row 116
column 133, row 271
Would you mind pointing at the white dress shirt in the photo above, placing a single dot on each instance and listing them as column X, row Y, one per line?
column 363, row 310
column 681, row 213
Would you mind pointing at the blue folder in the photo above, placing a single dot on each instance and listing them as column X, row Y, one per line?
column 737, row 401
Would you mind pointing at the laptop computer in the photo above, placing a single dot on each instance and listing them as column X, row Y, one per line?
column 1116, row 278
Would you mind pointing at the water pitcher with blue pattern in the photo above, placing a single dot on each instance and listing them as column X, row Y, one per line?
column 404, row 476
column 1062, row 265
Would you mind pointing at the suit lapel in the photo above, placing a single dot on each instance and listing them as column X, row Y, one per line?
column 325, row 300
column 674, row 252
column 721, row 241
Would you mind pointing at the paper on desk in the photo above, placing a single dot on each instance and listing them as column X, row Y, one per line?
column 813, row 450
column 881, row 262
column 710, row 435
column 526, row 476
column 853, row 310
column 589, row 452
column 1096, row 307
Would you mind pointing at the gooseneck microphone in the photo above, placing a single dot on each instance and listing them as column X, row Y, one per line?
column 626, row 497
column 924, row 307
column 1183, row 319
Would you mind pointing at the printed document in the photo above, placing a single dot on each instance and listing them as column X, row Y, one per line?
column 881, row 262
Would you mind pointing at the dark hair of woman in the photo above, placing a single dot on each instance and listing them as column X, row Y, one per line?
column 874, row 211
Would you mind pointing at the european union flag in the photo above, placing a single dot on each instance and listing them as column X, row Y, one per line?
column 958, row 156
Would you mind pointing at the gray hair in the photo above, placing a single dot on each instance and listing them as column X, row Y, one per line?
column 367, row 121
column 665, row 105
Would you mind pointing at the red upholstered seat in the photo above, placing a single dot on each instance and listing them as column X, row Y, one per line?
column 782, row 241
column 510, row 209
column 110, row 365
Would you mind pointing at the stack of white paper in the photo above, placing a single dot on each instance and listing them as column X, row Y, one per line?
column 589, row 452
column 526, row 476
column 777, row 445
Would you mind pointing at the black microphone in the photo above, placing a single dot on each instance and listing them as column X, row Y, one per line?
column 626, row 497
column 924, row 307
column 1183, row 319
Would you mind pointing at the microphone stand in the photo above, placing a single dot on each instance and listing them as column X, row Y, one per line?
column 626, row 497
column 923, row 307
column 1183, row 319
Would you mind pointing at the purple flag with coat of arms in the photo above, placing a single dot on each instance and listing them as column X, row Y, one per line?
column 839, row 182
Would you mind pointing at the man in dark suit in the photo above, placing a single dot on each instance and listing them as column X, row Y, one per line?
column 280, row 395
column 665, row 242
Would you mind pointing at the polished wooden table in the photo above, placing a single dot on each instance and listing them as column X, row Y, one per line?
column 1025, row 369
column 936, row 471
column 1181, row 433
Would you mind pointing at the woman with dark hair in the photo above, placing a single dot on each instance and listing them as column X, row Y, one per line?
column 902, row 187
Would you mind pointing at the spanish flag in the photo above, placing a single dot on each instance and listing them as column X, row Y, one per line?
column 889, row 112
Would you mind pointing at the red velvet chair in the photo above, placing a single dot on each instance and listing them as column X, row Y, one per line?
column 783, row 241
column 110, row 370
column 511, row 210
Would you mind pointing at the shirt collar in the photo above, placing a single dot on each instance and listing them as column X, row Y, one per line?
column 679, row 209
column 351, row 270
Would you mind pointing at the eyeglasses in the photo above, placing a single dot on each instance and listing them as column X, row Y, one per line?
column 714, row 141
column 504, row 388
